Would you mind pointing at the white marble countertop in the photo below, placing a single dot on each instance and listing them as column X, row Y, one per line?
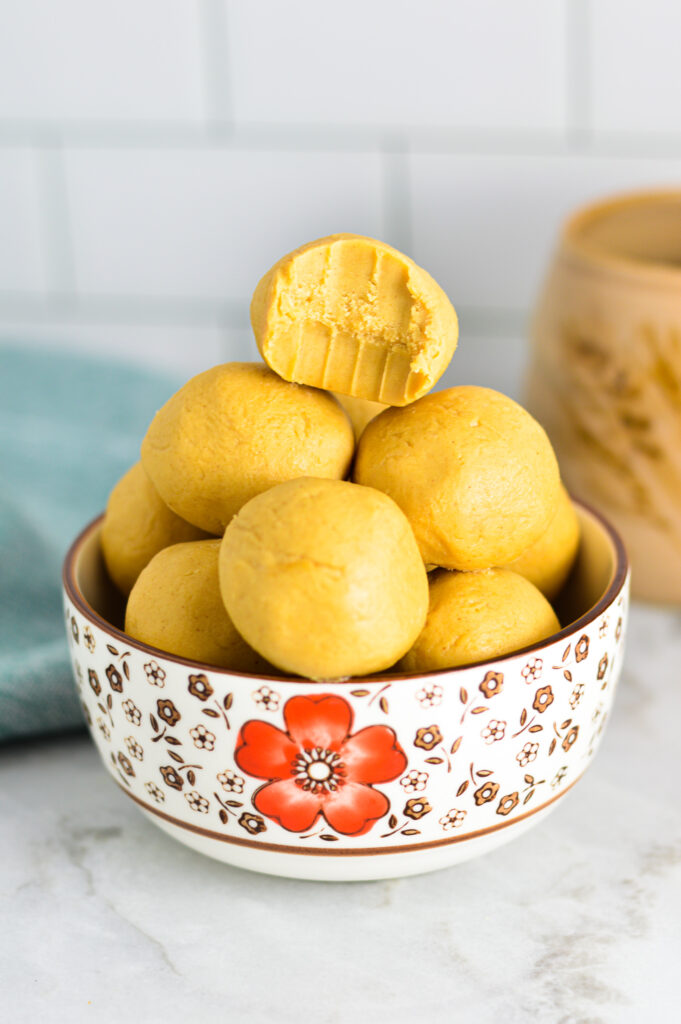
column 104, row 918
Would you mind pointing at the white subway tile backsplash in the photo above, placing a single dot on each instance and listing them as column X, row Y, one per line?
column 634, row 66
column 489, row 360
column 208, row 223
column 172, row 350
column 485, row 65
column 22, row 256
column 485, row 226
column 109, row 59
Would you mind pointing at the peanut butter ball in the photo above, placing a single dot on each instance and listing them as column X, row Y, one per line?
column 354, row 315
column 473, row 472
column 235, row 431
column 478, row 615
column 324, row 578
column 548, row 562
column 176, row 606
column 137, row 525
column 360, row 411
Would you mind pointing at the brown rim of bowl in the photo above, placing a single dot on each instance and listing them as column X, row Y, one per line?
column 615, row 586
column 660, row 275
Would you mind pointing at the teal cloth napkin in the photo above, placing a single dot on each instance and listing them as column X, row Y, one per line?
column 69, row 428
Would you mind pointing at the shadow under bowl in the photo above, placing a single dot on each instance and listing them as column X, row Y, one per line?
column 356, row 779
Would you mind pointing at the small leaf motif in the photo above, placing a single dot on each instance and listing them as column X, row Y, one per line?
column 478, row 711
column 434, row 760
column 566, row 652
column 383, row 705
column 462, row 788
column 568, row 674
column 126, row 670
column 234, row 803
column 523, row 717
column 154, row 723
column 484, row 772
column 191, row 778
column 535, row 728
column 112, row 650
column 359, row 693
column 210, row 712
column 565, row 724
column 173, row 741
column 529, row 779
column 392, row 821
column 228, row 701
column 456, row 744
column 329, row 839
column 552, row 747
column 109, row 701
column 223, row 816
column 463, row 695
column 529, row 796
column 176, row 757
column 410, row 832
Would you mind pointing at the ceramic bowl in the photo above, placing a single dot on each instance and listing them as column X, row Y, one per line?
column 357, row 779
column 605, row 374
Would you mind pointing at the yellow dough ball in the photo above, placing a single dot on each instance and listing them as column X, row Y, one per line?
column 176, row 606
column 478, row 615
column 360, row 411
column 235, row 431
column 354, row 315
column 137, row 525
column 324, row 578
column 474, row 473
column 548, row 562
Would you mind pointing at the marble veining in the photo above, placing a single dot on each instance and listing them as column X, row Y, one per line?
column 104, row 918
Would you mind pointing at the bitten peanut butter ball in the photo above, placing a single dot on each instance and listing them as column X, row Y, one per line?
column 236, row 430
column 176, row 606
column 324, row 578
column 354, row 315
column 473, row 472
column 478, row 615
column 548, row 562
column 137, row 525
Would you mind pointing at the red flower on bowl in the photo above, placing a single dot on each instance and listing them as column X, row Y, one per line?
column 318, row 767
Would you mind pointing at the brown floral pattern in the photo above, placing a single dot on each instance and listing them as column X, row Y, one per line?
column 543, row 699
column 153, row 790
column 507, row 803
column 156, row 675
column 485, row 793
column 414, row 782
column 115, row 678
column 416, row 808
column 203, row 738
column 428, row 737
column 197, row 802
column 171, row 777
column 582, row 648
column 494, row 731
column 168, row 712
column 125, row 764
column 200, row 687
column 460, row 755
column 492, row 684
column 253, row 823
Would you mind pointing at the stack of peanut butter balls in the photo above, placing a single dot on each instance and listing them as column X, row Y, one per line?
column 324, row 513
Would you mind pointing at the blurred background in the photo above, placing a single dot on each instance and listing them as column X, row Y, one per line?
column 157, row 156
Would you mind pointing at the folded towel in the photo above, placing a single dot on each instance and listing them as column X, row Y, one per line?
column 69, row 428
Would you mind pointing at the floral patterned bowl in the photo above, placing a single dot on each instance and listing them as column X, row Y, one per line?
column 361, row 779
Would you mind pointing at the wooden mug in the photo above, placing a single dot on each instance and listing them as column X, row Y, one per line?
column 605, row 374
